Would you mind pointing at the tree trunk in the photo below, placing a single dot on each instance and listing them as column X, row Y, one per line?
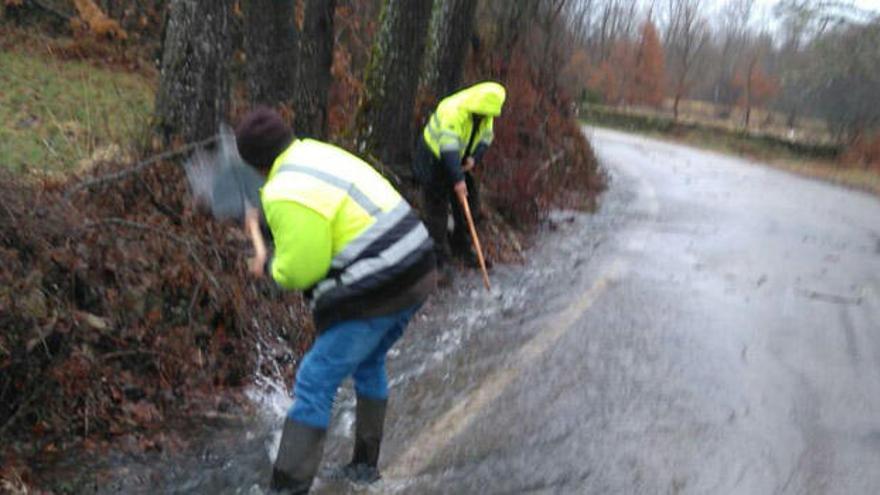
column 451, row 34
column 749, row 78
column 314, row 62
column 675, row 106
column 270, row 42
column 386, row 120
column 194, row 89
column 791, row 120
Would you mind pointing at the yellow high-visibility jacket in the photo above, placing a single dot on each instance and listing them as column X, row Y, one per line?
column 343, row 233
column 462, row 124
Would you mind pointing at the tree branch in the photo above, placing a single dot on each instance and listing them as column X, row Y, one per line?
column 137, row 167
column 21, row 409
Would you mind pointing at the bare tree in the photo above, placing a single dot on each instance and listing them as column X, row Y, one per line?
column 194, row 89
column 617, row 21
column 843, row 81
column 734, row 31
column 686, row 35
column 756, row 85
column 554, row 55
column 792, row 56
column 827, row 57
column 580, row 20
column 512, row 22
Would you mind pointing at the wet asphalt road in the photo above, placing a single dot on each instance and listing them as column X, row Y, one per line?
column 713, row 329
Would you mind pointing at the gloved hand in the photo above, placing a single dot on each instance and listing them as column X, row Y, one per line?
column 460, row 188
column 256, row 264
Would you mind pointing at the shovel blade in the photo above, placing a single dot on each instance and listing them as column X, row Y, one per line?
column 222, row 182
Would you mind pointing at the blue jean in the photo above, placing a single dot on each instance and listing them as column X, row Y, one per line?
column 353, row 347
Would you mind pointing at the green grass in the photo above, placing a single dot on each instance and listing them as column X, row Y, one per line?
column 59, row 116
column 709, row 135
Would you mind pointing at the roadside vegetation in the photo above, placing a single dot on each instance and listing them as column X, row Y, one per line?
column 799, row 92
column 820, row 158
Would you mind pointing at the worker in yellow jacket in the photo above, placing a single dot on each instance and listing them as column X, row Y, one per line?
column 453, row 142
column 344, row 235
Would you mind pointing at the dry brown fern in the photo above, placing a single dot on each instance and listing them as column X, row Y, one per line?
column 97, row 21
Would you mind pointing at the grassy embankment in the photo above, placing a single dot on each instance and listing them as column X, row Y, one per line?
column 62, row 116
column 810, row 158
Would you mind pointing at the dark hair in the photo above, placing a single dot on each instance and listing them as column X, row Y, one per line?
column 261, row 136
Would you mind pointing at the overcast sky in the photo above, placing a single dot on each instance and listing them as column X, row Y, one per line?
column 764, row 8
column 865, row 4
column 763, row 13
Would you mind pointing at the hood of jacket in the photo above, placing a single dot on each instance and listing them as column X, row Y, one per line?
column 485, row 98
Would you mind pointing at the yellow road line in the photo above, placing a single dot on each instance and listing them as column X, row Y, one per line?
column 434, row 439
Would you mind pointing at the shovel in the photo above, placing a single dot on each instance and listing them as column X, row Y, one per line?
column 462, row 198
column 221, row 181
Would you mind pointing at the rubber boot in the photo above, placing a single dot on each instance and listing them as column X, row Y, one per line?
column 369, row 423
column 466, row 255
column 298, row 458
column 445, row 275
column 369, row 426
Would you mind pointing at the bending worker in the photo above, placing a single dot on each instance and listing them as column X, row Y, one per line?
column 457, row 136
column 344, row 235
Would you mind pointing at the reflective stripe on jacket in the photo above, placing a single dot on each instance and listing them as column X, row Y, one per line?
column 378, row 245
column 452, row 123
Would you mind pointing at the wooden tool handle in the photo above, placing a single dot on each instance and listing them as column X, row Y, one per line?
column 462, row 198
column 252, row 226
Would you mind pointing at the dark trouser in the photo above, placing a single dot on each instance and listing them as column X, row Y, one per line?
column 438, row 197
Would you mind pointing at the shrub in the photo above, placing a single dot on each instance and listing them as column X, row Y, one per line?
column 864, row 152
column 540, row 158
column 123, row 306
